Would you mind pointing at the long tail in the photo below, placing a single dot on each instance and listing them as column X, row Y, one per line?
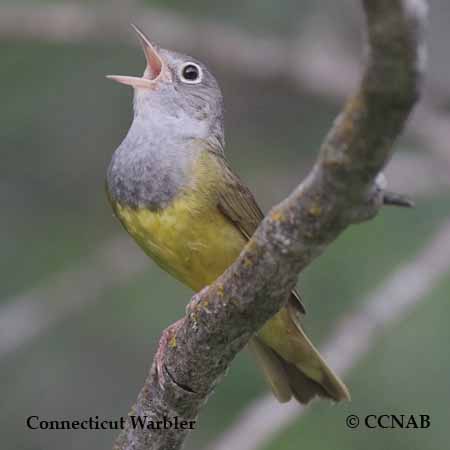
column 292, row 365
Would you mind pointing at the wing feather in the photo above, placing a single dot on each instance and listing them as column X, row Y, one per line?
column 238, row 205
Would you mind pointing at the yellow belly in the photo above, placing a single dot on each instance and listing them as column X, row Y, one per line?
column 195, row 243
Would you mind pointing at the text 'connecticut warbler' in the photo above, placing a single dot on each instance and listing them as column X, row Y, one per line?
column 174, row 192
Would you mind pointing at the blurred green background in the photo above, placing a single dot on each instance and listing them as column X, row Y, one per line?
column 61, row 121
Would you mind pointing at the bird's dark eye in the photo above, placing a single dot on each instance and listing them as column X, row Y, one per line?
column 191, row 73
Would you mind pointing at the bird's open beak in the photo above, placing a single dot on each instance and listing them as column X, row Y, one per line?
column 155, row 71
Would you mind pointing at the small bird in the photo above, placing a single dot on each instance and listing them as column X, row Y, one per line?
column 174, row 192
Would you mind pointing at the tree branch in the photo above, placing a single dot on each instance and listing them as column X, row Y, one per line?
column 31, row 313
column 195, row 352
column 352, row 339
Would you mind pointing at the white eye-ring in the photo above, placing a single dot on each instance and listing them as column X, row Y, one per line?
column 191, row 73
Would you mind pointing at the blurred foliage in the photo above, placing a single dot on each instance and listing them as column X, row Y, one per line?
column 59, row 128
column 404, row 374
column 247, row 14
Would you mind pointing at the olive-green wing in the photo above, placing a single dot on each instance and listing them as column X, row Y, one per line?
column 238, row 205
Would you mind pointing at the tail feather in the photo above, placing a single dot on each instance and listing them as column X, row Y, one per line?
column 330, row 383
column 273, row 369
column 292, row 365
column 287, row 380
column 304, row 389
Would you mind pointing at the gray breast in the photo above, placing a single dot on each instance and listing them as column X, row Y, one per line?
column 143, row 173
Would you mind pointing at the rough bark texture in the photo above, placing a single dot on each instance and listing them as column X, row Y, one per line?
column 354, row 336
column 195, row 352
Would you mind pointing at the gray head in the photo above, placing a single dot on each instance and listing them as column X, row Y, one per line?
column 176, row 96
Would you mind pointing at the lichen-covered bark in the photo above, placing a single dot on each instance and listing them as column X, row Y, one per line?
column 195, row 352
